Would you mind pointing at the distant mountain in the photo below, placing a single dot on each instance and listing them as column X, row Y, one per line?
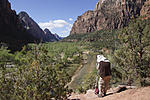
column 34, row 29
column 31, row 26
column 49, row 36
column 58, row 37
column 18, row 30
column 11, row 30
column 110, row 14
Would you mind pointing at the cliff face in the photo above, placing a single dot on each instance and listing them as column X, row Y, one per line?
column 31, row 26
column 34, row 29
column 11, row 30
column 108, row 14
column 145, row 11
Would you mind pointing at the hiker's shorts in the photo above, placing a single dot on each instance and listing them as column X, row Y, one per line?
column 103, row 85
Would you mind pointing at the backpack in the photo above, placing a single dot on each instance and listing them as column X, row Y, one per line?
column 103, row 66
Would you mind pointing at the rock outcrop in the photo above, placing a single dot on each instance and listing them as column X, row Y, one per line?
column 108, row 14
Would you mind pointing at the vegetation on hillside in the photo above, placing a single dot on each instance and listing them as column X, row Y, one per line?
column 127, row 49
column 41, row 71
column 38, row 72
column 133, row 55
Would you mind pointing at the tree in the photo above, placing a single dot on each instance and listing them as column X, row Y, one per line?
column 33, row 75
column 133, row 55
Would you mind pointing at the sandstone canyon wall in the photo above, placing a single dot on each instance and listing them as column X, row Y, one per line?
column 110, row 14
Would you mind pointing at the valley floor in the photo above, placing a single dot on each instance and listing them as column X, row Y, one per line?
column 130, row 94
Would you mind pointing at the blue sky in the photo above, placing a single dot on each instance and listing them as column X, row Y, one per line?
column 56, row 15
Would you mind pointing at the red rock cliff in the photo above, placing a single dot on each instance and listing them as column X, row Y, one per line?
column 109, row 14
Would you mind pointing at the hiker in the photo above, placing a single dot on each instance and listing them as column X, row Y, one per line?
column 104, row 72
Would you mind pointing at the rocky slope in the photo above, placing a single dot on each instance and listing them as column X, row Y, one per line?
column 109, row 14
column 131, row 94
column 11, row 30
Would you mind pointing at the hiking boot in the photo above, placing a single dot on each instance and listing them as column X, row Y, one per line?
column 100, row 96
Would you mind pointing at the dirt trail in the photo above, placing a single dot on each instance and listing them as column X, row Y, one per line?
column 130, row 94
column 82, row 71
column 73, row 78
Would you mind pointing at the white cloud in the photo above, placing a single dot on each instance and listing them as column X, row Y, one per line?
column 53, row 24
column 70, row 19
column 60, row 22
column 67, row 30
column 57, row 26
column 64, row 32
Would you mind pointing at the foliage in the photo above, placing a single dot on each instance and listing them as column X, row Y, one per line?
column 98, row 40
column 133, row 54
column 38, row 72
column 127, row 49
column 42, row 71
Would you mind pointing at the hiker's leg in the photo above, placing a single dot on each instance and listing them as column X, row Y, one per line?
column 101, row 86
column 96, row 85
column 106, row 82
